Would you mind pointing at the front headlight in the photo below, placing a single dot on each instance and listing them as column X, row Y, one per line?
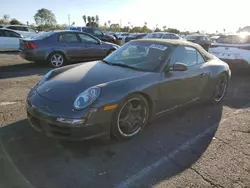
column 45, row 78
column 87, row 98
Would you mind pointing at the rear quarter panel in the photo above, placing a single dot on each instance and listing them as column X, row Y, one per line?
column 215, row 68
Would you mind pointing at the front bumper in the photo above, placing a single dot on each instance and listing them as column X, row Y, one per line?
column 96, row 122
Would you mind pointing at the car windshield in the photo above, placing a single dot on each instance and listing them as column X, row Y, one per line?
column 154, row 35
column 191, row 37
column 41, row 36
column 139, row 55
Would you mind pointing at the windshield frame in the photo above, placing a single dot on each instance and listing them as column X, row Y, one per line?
column 157, row 68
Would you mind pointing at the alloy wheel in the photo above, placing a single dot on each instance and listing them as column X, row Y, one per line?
column 57, row 60
column 132, row 117
column 220, row 88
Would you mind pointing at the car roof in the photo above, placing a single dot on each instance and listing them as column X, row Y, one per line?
column 175, row 42
column 9, row 30
column 168, row 41
column 16, row 25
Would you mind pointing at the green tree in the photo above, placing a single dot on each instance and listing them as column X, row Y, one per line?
column 157, row 29
column 84, row 19
column 173, row 30
column 45, row 17
column 15, row 22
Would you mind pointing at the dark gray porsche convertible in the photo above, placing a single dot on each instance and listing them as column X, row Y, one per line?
column 118, row 95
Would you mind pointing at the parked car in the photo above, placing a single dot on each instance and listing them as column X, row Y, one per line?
column 25, row 31
column 135, row 36
column 95, row 32
column 233, row 49
column 9, row 40
column 121, row 35
column 118, row 95
column 61, row 47
column 162, row 35
column 202, row 40
column 214, row 38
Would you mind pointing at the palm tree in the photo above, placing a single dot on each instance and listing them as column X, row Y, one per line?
column 84, row 18
column 145, row 23
column 97, row 18
column 93, row 20
column 105, row 24
column 164, row 27
column 89, row 19
column 224, row 30
column 109, row 22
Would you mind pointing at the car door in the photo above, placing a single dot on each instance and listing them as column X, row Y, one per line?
column 181, row 87
column 70, row 44
column 91, row 48
column 10, row 40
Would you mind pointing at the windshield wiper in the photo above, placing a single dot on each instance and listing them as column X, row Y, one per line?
column 104, row 61
column 126, row 66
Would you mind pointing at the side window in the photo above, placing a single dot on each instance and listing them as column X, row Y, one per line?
column 187, row 55
column 12, row 27
column 174, row 36
column 68, row 37
column 166, row 36
column 97, row 32
column 11, row 34
column 178, row 55
column 31, row 30
column 190, row 56
column 23, row 29
column 87, row 39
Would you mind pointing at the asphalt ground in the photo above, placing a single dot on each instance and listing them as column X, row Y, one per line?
column 200, row 146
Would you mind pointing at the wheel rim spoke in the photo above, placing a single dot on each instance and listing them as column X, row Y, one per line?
column 131, row 118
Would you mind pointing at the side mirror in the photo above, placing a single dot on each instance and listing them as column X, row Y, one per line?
column 179, row 67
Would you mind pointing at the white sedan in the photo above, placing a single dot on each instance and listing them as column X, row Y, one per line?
column 233, row 49
column 9, row 40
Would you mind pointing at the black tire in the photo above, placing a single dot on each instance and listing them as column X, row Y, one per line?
column 61, row 59
column 117, row 131
column 218, row 97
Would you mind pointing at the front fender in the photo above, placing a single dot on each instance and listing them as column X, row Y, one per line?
column 115, row 92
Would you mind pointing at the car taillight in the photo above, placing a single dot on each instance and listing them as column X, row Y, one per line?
column 244, row 47
column 30, row 45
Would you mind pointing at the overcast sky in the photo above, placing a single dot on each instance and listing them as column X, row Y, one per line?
column 208, row 15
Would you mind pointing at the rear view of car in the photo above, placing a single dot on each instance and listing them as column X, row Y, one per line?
column 135, row 36
column 202, row 40
column 233, row 49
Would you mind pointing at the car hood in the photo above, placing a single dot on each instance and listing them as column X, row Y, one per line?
column 68, row 84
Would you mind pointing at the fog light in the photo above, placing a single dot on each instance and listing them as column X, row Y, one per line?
column 71, row 121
